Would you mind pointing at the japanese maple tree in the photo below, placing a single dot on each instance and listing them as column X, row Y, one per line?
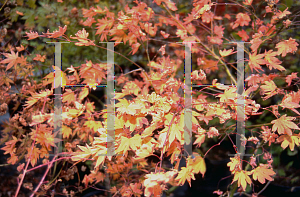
column 149, row 110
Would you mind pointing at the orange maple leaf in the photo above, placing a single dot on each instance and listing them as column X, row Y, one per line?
column 289, row 102
column 262, row 172
column 273, row 62
column 81, row 36
column 253, row 79
column 57, row 33
column 287, row 46
column 66, row 131
column 255, row 61
column 234, row 164
column 32, row 35
column 290, row 77
column 40, row 58
column 12, row 59
column 241, row 20
column 68, row 96
column 243, row 34
column 284, row 124
column 225, row 52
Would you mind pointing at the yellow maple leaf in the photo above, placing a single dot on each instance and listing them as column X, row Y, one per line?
column 284, row 124
column 197, row 164
column 288, row 140
column 243, row 178
column 185, row 174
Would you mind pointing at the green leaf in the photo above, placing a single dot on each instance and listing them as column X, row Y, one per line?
column 289, row 3
column 31, row 4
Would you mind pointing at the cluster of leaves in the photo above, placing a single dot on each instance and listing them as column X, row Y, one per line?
column 149, row 116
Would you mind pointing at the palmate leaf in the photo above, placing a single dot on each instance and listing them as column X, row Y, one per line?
column 262, row 172
column 290, row 141
column 243, row 178
column 185, row 174
column 284, row 124
column 11, row 59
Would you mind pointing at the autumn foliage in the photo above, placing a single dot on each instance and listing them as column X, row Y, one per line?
column 149, row 109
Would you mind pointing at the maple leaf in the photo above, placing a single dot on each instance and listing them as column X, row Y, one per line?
column 289, row 102
column 40, row 58
column 12, row 59
column 57, row 33
column 234, row 164
column 243, row 178
column 243, row 34
column 197, row 164
column 219, row 31
column 66, row 131
column 269, row 89
column 290, row 141
column 181, row 33
column 135, row 48
column 89, row 22
column 86, row 152
column 81, row 36
column 37, row 119
column 287, row 46
column 185, row 174
column 56, row 81
column 36, row 97
column 32, row 35
column 68, row 96
column 21, row 48
column 200, row 137
column 33, row 154
column 174, row 127
column 215, row 40
column 103, row 26
column 83, row 93
column 281, row 14
column 284, row 124
column 241, row 20
column 127, row 143
column 171, row 5
column 255, row 61
column 290, row 78
column 229, row 95
column 253, row 79
column 255, row 43
column 225, row 52
column 272, row 61
column 262, row 172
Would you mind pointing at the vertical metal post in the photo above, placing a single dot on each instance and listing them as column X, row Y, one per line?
column 188, row 100
column 110, row 100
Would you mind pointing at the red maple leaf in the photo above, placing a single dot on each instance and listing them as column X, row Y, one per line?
column 243, row 34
